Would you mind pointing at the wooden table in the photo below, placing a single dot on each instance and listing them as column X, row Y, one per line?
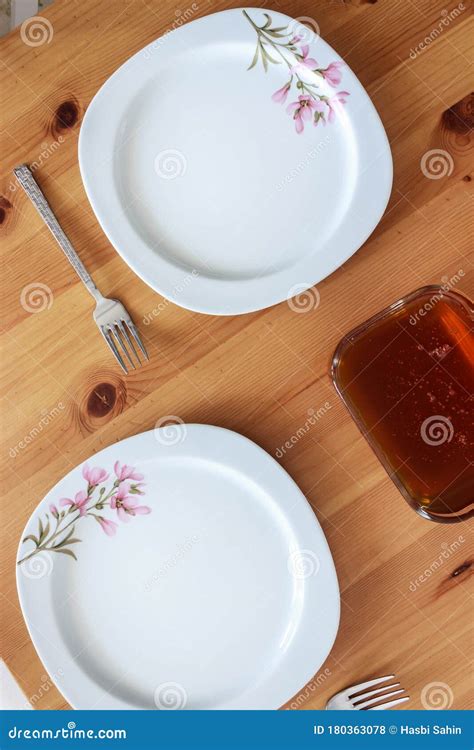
column 259, row 374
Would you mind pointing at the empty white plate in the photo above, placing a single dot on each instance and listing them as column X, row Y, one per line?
column 235, row 161
column 179, row 569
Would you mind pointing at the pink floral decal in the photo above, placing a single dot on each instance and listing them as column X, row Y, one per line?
column 276, row 45
column 126, row 505
column 56, row 532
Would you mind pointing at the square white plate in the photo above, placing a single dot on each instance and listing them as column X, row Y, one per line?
column 181, row 569
column 235, row 161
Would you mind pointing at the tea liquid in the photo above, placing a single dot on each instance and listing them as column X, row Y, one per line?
column 408, row 379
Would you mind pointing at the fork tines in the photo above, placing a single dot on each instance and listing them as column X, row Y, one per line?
column 361, row 699
column 121, row 335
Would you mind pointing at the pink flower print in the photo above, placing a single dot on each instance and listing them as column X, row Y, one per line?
column 305, row 62
column 137, row 489
column 122, row 496
column 79, row 503
column 280, row 96
column 334, row 104
column 126, row 472
column 108, row 527
column 333, row 74
column 320, row 112
column 301, row 110
column 305, row 74
column 127, row 506
column 94, row 476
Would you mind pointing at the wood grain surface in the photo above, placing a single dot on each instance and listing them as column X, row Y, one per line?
column 259, row 374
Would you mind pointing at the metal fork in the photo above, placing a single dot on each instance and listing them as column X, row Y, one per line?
column 113, row 320
column 347, row 699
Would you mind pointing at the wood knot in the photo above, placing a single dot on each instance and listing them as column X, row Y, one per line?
column 5, row 206
column 101, row 400
column 460, row 117
column 66, row 116
column 461, row 569
column 457, row 124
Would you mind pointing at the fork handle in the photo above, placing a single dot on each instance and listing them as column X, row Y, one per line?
column 25, row 177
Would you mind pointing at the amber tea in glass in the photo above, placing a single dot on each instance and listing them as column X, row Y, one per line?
column 407, row 378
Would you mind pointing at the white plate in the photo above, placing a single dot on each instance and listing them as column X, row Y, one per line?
column 202, row 182
column 219, row 593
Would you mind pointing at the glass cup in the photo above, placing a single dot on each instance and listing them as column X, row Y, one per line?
column 407, row 378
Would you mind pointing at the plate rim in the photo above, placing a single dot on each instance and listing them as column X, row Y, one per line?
column 227, row 296
column 319, row 537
